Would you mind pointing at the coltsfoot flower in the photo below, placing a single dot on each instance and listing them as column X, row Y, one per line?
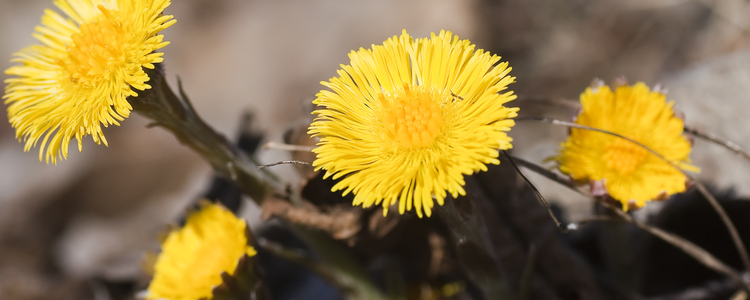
column 80, row 77
column 192, row 259
column 406, row 120
column 620, row 168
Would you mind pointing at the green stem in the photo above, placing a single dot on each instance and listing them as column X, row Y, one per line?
column 165, row 109
column 473, row 247
column 176, row 114
column 337, row 264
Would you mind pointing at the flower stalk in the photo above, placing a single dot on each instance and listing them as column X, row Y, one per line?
column 176, row 114
column 474, row 250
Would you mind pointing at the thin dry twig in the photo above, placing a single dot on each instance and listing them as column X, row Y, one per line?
column 569, row 103
column 695, row 251
column 724, row 217
column 538, row 194
column 579, row 126
column 284, row 162
column 341, row 222
column 698, row 253
column 549, row 174
column 702, row 189
column 576, row 225
column 719, row 141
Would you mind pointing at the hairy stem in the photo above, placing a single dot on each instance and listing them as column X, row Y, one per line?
column 176, row 114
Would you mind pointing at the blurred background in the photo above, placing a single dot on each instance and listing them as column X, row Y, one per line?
column 96, row 214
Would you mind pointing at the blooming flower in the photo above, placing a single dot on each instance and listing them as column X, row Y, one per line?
column 81, row 75
column 406, row 120
column 193, row 258
column 626, row 171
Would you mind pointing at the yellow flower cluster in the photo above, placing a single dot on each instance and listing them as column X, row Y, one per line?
column 626, row 171
column 406, row 120
column 193, row 257
column 80, row 77
column 402, row 123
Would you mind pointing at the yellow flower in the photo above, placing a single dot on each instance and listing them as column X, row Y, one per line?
column 81, row 75
column 406, row 120
column 193, row 258
column 629, row 173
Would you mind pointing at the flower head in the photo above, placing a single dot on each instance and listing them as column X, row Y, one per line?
column 406, row 120
column 81, row 75
column 193, row 257
column 626, row 171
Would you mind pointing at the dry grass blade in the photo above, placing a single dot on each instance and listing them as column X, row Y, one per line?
column 284, row 162
column 538, row 194
column 702, row 189
column 719, row 141
column 698, row 253
column 695, row 251
column 551, row 175
column 577, row 224
column 724, row 217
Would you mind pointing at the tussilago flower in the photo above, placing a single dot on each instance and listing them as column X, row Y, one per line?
column 193, row 257
column 81, row 75
column 628, row 172
column 406, row 120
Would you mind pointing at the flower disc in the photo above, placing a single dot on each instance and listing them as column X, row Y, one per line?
column 406, row 120
column 628, row 172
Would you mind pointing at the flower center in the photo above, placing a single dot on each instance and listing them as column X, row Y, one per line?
column 209, row 261
column 98, row 49
column 624, row 156
column 412, row 118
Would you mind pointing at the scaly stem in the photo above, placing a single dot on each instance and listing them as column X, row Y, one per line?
column 176, row 114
